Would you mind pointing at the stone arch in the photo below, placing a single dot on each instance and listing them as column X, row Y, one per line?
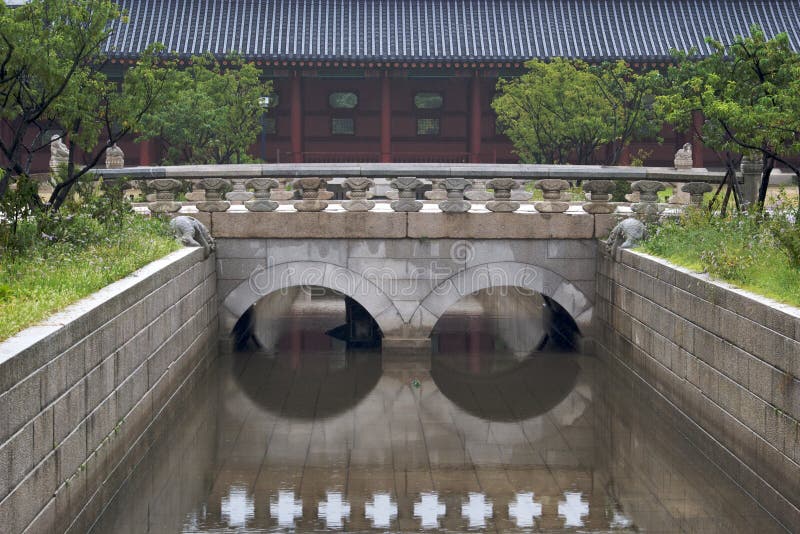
column 509, row 273
column 271, row 278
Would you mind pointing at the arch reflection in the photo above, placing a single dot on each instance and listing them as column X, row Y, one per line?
column 292, row 329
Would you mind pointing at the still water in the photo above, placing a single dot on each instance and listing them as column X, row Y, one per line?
column 485, row 435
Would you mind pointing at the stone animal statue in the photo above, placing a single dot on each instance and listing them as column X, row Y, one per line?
column 192, row 233
column 626, row 234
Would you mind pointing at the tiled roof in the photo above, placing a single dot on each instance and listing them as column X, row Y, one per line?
column 442, row 30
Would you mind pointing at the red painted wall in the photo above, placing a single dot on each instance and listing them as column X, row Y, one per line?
column 452, row 143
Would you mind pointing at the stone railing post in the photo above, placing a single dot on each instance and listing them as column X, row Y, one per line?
column 502, row 195
column 478, row 193
column 455, row 202
column 647, row 208
column 437, row 192
column 751, row 179
column 261, row 196
column 551, row 190
column 309, row 189
column 239, row 193
column 166, row 189
column 406, row 194
column 359, row 191
column 600, row 192
column 696, row 191
column 214, row 188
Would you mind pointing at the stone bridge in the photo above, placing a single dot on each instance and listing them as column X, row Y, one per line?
column 407, row 261
column 401, row 267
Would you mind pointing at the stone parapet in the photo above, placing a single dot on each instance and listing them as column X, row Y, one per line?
column 80, row 391
column 727, row 359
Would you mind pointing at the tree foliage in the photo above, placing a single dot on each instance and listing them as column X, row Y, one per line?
column 213, row 115
column 564, row 110
column 748, row 92
column 50, row 79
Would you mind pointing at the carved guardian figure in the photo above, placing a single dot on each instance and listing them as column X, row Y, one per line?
column 626, row 234
column 192, row 233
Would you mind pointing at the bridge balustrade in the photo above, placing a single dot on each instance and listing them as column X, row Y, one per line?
column 456, row 188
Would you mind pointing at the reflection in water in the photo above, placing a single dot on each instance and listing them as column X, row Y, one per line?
column 524, row 510
column 476, row 510
column 237, row 507
column 334, row 510
column 381, row 510
column 285, row 509
column 573, row 509
column 428, row 510
column 311, row 437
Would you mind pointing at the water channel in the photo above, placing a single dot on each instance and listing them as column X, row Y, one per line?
column 503, row 429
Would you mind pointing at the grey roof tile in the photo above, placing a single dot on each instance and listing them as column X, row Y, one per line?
column 442, row 30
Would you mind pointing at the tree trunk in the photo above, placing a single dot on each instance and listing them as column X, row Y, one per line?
column 769, row 164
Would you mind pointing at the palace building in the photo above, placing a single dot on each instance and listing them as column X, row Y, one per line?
column 413, row 80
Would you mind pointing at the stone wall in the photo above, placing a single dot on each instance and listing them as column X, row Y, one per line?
column 729, row 362
column 79, row 394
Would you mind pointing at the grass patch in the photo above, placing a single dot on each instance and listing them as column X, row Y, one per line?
column 51, row 264
column 749, row 250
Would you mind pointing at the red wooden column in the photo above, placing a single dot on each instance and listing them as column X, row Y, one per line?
column 145, row 149
column 697, row 146
column 296, row 115
column 475, row 120
column 386, row 118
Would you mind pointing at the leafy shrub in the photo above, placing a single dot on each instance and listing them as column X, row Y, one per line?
column 784, row 225
column 756, row 251
column 15, row 208
column 733, row 265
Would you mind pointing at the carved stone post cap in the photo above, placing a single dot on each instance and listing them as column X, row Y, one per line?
column 697, row 188
column 406, row 183
column 261, row 184
column 165, row 184
column 358, row 184
column 749, row 166
column 552, row 184
column 647, row 186
column 503, row 183
column 647, row 189
column 308, row 183
column 456, row 184
column 600, row 187
column 214, row 184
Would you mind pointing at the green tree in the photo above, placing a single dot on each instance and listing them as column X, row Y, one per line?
column 51, row 79
column 214, row 114
column 748, row 92
column 564, row 110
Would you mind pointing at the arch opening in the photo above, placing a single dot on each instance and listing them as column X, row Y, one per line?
column 314, row 316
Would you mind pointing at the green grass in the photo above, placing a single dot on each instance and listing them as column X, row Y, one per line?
column 740, row 249
column 45, row 277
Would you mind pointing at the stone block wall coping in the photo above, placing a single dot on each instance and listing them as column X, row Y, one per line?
column 419, row 170
column 414, row 225
column 783, row 318
column 30, row 349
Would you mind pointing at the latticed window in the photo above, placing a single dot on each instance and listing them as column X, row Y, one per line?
column 428, row 100
column 428, row 126
column 343, row 126
column 343, row 100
